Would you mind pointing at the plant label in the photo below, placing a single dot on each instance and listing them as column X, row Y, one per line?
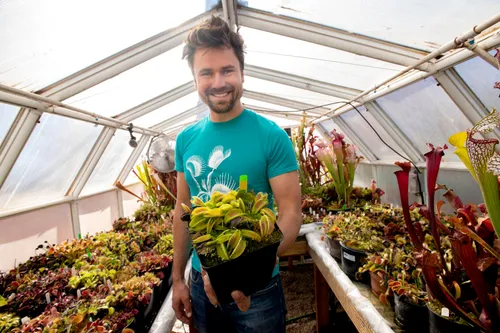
column 445, row 312
column 349, row 257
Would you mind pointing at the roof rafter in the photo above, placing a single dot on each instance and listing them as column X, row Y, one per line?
column 123, row 60
column 490, row 41
column 288, row 103
column 300, row 82
column 331, row 37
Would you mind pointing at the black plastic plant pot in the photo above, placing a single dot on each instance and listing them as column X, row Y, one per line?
column 335, row 249
column 248, row 273
column 409, row 316
column 352, row 260
column 439, row 324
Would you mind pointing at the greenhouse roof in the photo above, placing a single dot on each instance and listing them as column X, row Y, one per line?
column 75, row 74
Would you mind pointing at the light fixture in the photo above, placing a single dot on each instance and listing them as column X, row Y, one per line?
column 133, row 141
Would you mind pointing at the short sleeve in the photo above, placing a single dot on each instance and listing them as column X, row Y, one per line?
column 281, row 155
column 179, row 153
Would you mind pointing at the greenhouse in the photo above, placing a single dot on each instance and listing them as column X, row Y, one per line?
column 363, row 184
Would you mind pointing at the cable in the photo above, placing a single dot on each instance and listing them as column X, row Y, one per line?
column 325, row 60
column 409, row 160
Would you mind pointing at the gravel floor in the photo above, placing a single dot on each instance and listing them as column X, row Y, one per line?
column 298, row 286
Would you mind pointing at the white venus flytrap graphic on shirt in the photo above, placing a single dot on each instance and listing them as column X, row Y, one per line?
column 196, row 166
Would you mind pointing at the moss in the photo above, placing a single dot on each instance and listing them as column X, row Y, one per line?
column 436, row 307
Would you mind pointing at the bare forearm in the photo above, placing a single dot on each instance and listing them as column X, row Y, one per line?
column 289, row 222
column 182, row 243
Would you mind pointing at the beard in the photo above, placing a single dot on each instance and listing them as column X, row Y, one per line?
column 221, row 106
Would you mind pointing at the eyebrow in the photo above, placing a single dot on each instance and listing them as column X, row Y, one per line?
column 210, row 70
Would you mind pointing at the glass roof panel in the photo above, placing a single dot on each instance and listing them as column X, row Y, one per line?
column 168, row 111
column 425, row 114
column 480, row 76
column 264, row 105
column 49, row 162
column 7, row 115
column 45, row 41
column 329, row 126
column 365, row 133
column 417, row 24
column 135, row 86
column 110, row 164
column 281, row 122
column 287, row 92
column 314, row 61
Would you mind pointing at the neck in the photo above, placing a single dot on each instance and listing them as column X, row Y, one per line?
column 223, row 117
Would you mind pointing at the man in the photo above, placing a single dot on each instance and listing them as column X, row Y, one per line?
column 210, row 156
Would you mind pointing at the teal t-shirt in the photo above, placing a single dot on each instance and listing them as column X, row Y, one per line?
column 213, row 155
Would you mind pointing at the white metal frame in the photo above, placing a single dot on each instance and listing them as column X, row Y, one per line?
column 288, row 103
column 331, row 37
column 300, row 82
column 27, row 119
column 229, row 12
column 15, row 139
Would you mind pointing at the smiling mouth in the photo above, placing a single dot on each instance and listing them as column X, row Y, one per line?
column 221, row 94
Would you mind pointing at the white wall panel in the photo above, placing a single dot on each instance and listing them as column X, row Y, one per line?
column 22, row 233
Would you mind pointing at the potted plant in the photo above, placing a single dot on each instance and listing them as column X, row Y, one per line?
column 357, row 239
column 341, row 161
column 236, row 238
column 333, row 225
column 410, row 311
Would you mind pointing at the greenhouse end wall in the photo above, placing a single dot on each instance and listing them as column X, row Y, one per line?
column 21, row 234
column 459, row 180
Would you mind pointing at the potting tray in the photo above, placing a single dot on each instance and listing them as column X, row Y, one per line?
column 364, row 309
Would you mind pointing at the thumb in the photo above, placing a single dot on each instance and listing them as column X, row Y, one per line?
column 186, row 302
column 242, row 301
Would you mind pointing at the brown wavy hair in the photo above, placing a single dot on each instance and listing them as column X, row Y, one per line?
column 213, row 33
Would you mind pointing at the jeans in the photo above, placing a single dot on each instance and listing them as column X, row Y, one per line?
column 266, row 314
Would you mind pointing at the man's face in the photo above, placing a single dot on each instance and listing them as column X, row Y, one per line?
column 218, row 78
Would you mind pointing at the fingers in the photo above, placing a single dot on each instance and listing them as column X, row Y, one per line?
column 178, row 307
column 186, row 302
column 181, row 303
column 242, row 301
column 208, row 289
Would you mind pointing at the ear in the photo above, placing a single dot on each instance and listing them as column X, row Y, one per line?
column 242, row 77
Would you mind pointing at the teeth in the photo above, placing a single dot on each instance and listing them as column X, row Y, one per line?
column 221, row 95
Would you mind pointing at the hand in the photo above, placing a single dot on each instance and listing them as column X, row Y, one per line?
column 242, row 301
column 181, row 302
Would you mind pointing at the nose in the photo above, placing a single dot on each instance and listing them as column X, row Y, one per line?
column 219, row 81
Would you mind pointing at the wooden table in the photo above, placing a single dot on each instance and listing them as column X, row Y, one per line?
column 366, row 312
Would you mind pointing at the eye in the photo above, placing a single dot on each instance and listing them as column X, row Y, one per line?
column 227, row 71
